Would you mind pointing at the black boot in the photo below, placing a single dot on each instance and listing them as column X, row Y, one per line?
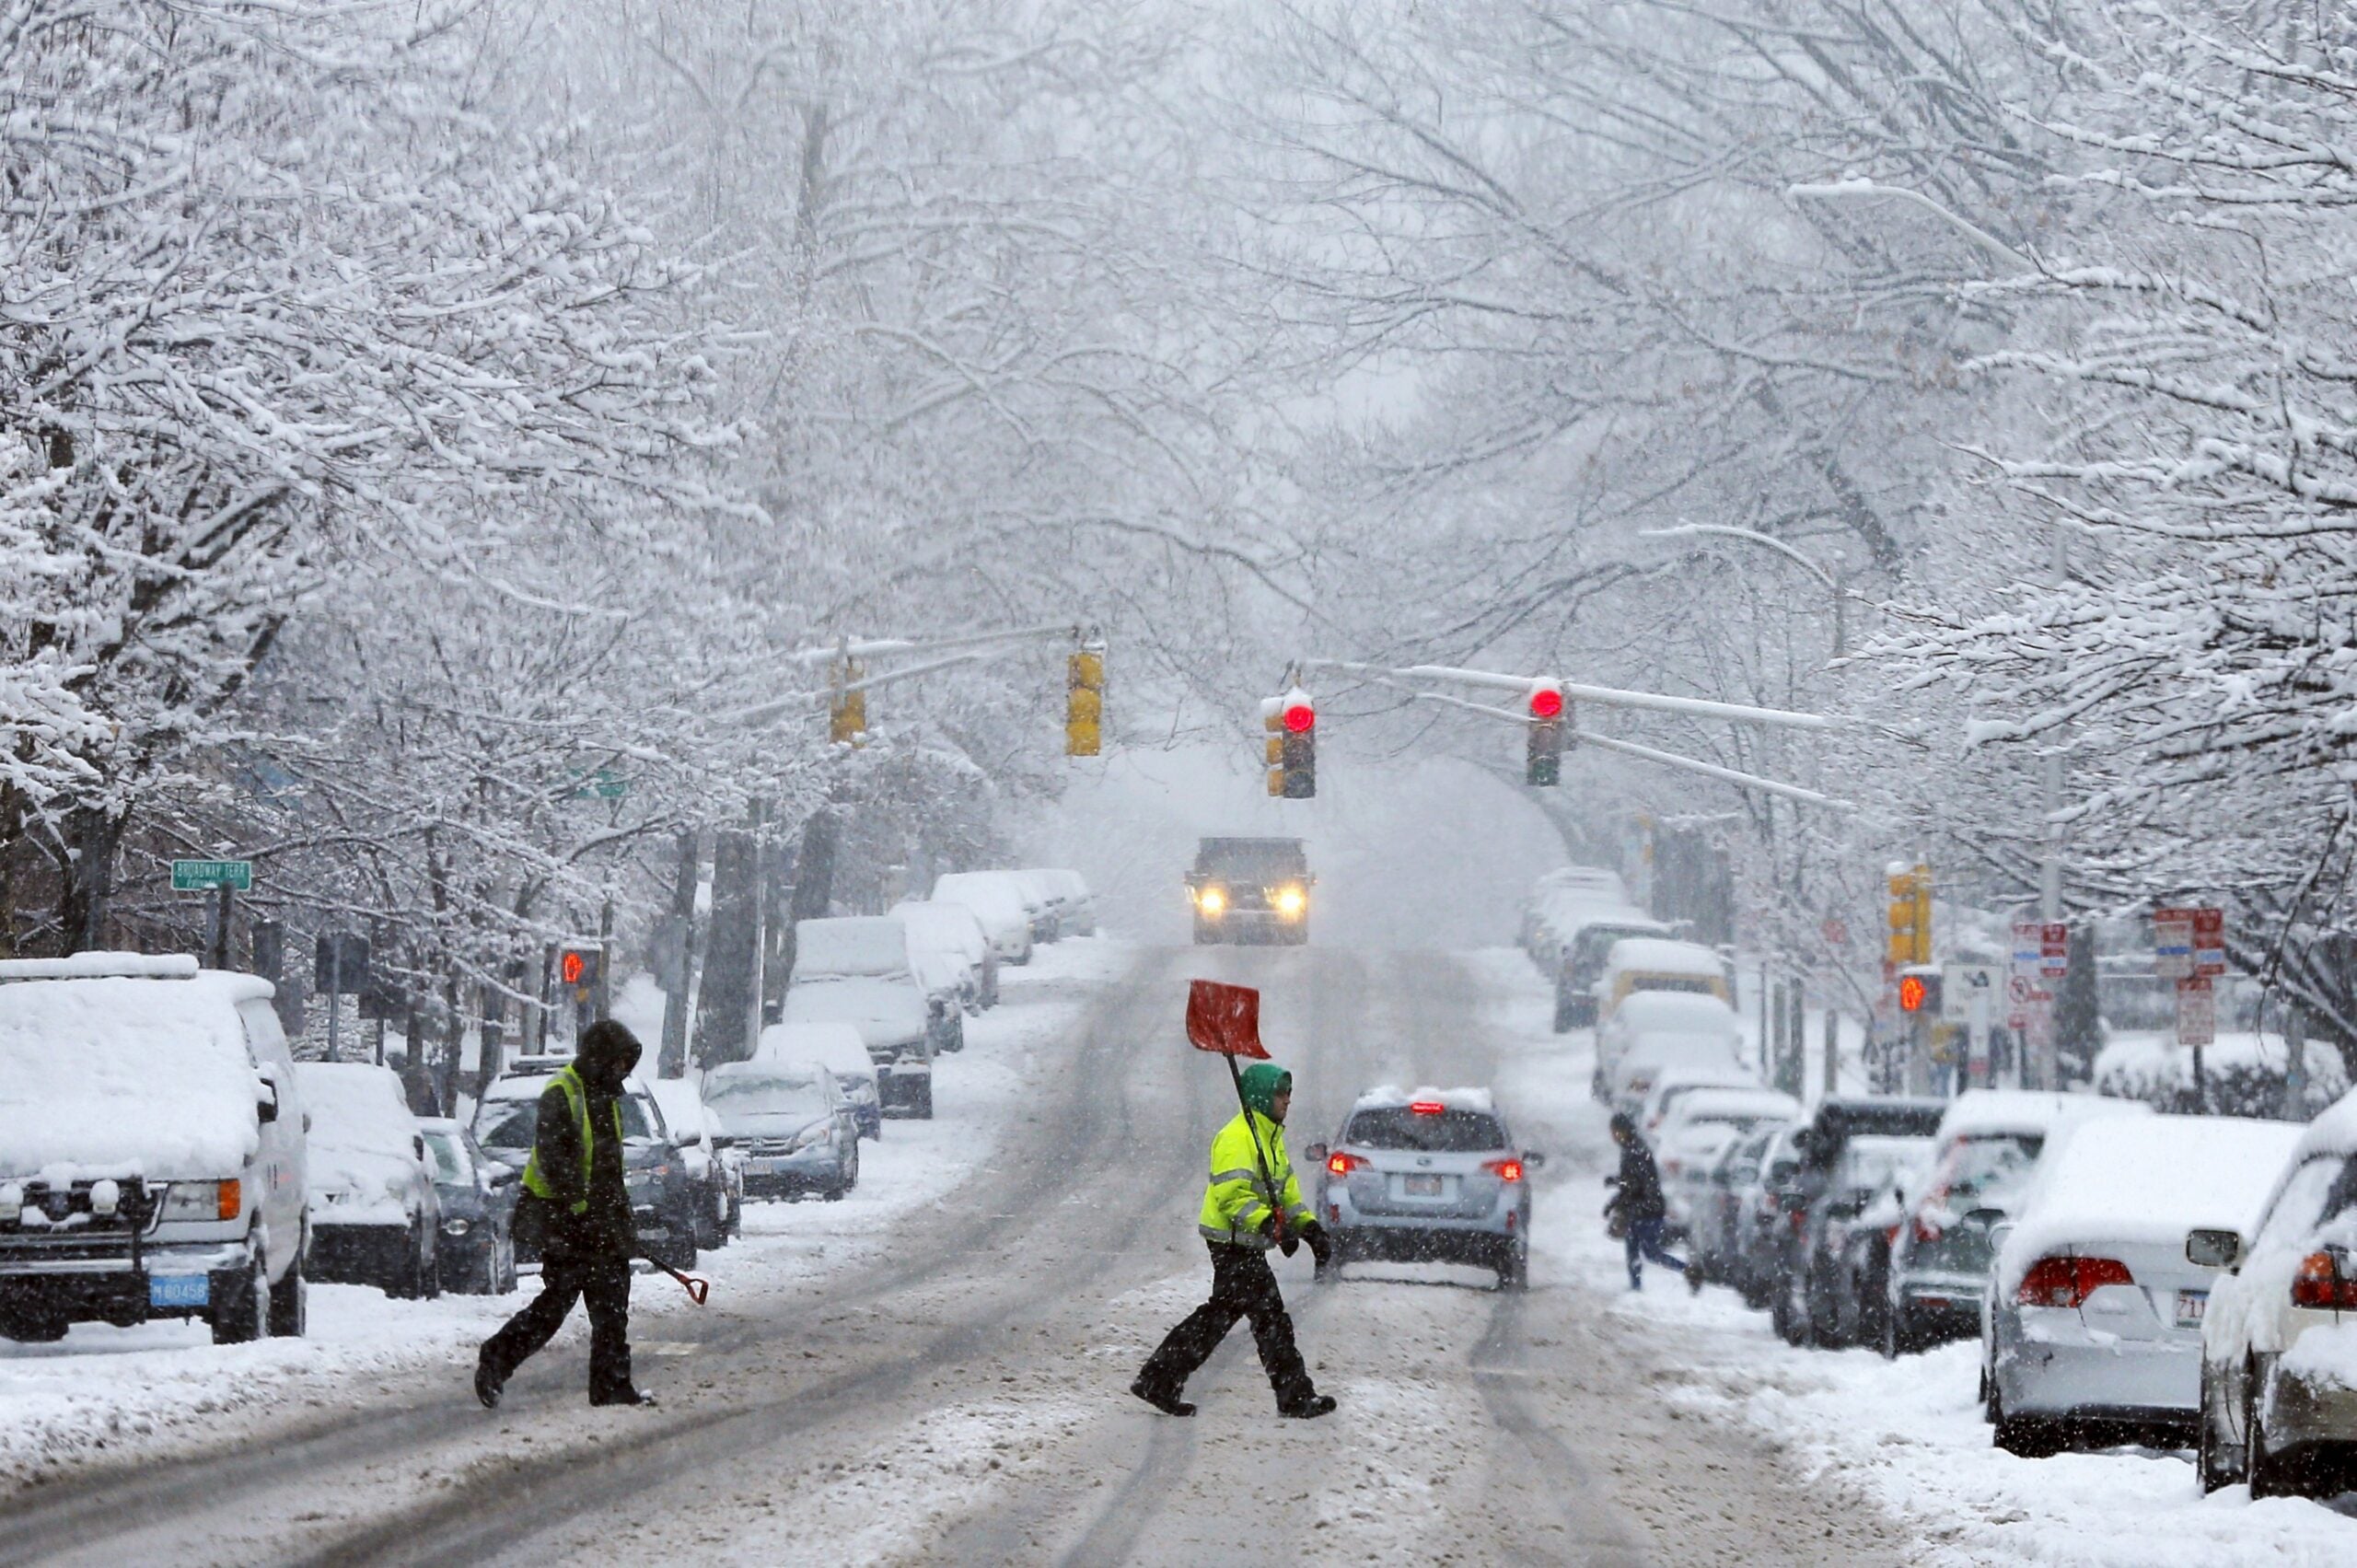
column 1169, row 1404
column 1309, row 1409
column 488, row 1386
column 623, row 1397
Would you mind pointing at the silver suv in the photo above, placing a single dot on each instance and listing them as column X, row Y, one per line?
column 152, row 1150
column 1428, row 1176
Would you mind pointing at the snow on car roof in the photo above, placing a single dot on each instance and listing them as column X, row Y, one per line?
column 2334, row 1131
column 1980, row 1113
column 1391, row 1096
column 682, row 1103
column 836, row 1046
column 359, row 1140
column 851, row 945
column 1679, row 1012
column 127, row 1075
column 1663, row 955
column 1704, row 1103
column 2147, row 1180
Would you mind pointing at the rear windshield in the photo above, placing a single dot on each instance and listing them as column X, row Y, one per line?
column 1988, row 1173
column 1450, row 1132
column 1699, row 984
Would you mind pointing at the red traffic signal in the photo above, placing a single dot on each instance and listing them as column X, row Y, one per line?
column 1299, row 717
column 1545, row 701
column 1913, row 994
column 577, row 967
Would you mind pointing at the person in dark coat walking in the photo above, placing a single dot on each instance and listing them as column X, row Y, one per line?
column 575, row 1181
column 1638, row 1204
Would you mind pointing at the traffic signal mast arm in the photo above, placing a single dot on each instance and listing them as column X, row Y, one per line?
column 1614, row 697
column 976, row 648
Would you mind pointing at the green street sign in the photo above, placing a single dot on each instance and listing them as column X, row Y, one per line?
column 198, row 876
column 604, row 783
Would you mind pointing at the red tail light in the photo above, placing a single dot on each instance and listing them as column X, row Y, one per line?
column 2319, row 1284
column 1426, row 1107
column 1504, row 1170
column 1925, row 1231
column 1342, row 1164
column 2068, row 1282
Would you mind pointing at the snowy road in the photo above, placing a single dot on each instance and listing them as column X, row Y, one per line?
column 953, row 1391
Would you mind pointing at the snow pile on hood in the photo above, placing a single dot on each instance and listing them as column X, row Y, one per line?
column 836, row 1047
column 2150, row 1180
column 121, row 1076
column 361, row 1143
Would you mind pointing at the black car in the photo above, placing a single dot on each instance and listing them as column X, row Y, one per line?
column 1822, row 1199
column 477, row 1256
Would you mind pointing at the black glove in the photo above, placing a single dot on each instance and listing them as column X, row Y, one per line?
column 1320, row 1246
column 1288, row 1243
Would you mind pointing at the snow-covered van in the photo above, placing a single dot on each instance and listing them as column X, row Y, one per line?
column 151, row 1149
column 997, row 905
column 855, row 969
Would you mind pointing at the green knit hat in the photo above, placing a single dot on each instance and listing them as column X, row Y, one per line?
column 1263, row 1082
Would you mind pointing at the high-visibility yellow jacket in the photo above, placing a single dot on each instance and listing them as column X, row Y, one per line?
column 1237, row 1204
column 574, row 1170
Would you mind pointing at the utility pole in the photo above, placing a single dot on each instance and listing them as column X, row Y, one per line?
column 2048, row 1069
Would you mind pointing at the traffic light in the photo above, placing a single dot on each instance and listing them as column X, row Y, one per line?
column 1297, row 718
column 1919, row 993
column 1911, row 913
column 1544, row 762
column 578, row 969
column 847, row 710
column 1084, row 702
column 1272, row 748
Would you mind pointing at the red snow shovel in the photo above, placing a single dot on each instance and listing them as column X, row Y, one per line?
column 697, row 1288
column 1225, row 1020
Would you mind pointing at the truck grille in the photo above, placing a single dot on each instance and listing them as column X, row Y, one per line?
column 62, row 1215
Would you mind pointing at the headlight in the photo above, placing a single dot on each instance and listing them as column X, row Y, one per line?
column 455, row 1227
column 1291, row 901
column 207, row 1200
column 1212, row 901
column 810, row 1137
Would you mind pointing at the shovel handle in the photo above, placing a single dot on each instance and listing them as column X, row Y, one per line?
column 697, row 1289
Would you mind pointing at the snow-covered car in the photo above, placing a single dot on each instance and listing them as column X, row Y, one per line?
column 477, row 1194
column 952, row 930
column 857, row 971
column 662, row 1199
column 1854, row 1279
column 1042, row 900
column 837, row 1047
column 1672, row 1085
column 790, row 1122
column 1586, row 943
column 1714, row 1224
column 996, row 903
column 1697, row 1126
column 2278, row 1371
column 2092, row 1323
column 1564, row 912
column 1658, row 1030
column 152, row 1155
column 1075, row 905
column 1989, row 1146
column 1820, row 1182
column 1426, row 1175
column 1571, row 887
column 1767, row 1214
column 716, row 1174
column 376, row 1218
column 1636, row 964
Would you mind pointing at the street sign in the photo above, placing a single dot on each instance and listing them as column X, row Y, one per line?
column 201, row 876
column 2188, row 942
column 340, row 964
column 1964, row 983
column 2196, row 1011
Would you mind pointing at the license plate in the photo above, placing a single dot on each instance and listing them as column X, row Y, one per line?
column 2190, row 1305
column 179, row 1290
column 759, row 1167
column 1421, row 1186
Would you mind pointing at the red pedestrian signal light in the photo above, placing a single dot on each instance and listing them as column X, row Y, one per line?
column 1300, row 717
column 1913, row 992
column 1545, row 701
column 578, row 967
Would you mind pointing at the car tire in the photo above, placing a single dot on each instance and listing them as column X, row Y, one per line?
column 2271, row 1475
column 1895, row 1341
column 1788, row 1318
column 245, row 1317
column 1513, row 1267
column 921, row 1102
column 429, row 1267
column 28, row 1328
column 290, row 1302
column 2026, row 1437
column 2214, row 1470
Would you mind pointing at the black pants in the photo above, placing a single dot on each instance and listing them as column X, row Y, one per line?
column 604, row 1284
column 1243, row 1286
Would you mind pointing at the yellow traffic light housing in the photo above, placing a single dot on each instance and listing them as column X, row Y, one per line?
column 847, row 710
column 1911, row 915
column 1273, row 750
column 1084, row 702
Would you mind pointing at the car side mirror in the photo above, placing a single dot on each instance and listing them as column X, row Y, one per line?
column 504, row 1176
column 417, row 1145
column 1987, row 1219
column 1532, row 1159
column 1317, row 1153
column 1792, row 1201
column 692, row 1141
column 723, row 1141
column 2214, row 1248
column 266, row 1108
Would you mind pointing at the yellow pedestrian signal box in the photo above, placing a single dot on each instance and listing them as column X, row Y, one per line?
column 847, row 710
column 1084, row 702
column 1911, row 915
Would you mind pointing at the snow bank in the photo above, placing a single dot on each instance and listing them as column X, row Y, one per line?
column 2243, row 1071
column 2147, row 1180
column 118, row 1075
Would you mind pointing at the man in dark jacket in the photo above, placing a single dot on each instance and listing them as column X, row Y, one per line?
column 575, row 1179
column 1637, row 1198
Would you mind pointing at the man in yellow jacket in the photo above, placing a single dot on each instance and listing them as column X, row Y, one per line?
column 1252, row 1202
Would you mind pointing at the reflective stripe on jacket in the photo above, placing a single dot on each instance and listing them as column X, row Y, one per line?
column 1237, row 1202
column 536, row 1181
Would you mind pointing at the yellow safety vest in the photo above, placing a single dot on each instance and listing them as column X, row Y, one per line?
column 1237, row 1203
column 576, row 1094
